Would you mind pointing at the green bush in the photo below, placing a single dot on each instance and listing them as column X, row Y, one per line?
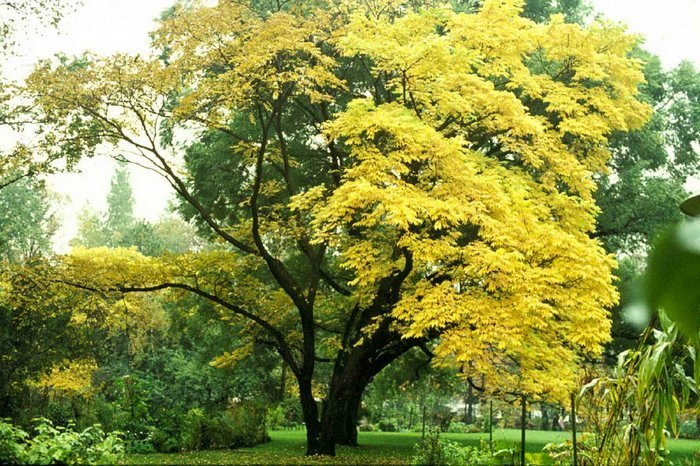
column 167, row 432
column 247, row 419
column 59, row 445
column 59, row 411
column 275, row 418
column 435, row 451
column 462, row 428
column 62, row 445
column 689, row 429
column 192, row 429
column 12, row 443
column 243, row 425
column 561, row 453
column 144, row 446
column 387, row 426
column 366, row 426
column 166, row 439
column 132, row 414
column 457, row 428
column 287, row 415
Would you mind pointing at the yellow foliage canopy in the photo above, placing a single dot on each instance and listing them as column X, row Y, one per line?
column 73, row 378
column 461, row 152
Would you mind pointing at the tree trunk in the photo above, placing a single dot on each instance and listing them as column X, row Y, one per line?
column 338, row 422
column 355, row 366
column 555, row 421
column 346, row 428
column 339, row 419
column 309, row 409
column 545, row 417
column 468, row 406
column 283, row 380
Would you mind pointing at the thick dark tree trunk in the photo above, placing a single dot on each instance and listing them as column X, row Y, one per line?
column 339, row 418
column 338, row 421
column 346, row 433
column 354, row 367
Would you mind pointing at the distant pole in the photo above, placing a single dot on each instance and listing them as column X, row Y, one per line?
column 573, row 425
column 424, row 418
column 491, row 424
column 523, row 419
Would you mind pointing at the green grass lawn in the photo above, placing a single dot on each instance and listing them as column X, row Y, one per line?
column 377, row 448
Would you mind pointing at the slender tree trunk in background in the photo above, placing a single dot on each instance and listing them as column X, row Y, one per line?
column 523, row 422
column 491, row 425
column 283, row 380
column 573, row 427
column 555, row 421
column 469, row 411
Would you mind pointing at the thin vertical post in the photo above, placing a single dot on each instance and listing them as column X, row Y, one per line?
column 523, row 420
column 573, row 426
column 423, row 418
column 491, row 424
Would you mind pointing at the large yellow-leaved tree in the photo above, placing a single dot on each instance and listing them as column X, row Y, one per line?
column 381, row 175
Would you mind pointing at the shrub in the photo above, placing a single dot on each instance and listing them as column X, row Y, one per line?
column 561, row 453
column 59, row 411
column 247, row 420
column 164, row 442
column 59, row 445
column 12, row 443
column 243, row 425
column 689, row 429
column 462, row 428
column 476, row 456
column 366, row 426
column 131, row 413
column 275, row 418
column 192, row 427
column 62, row 445
column 144, row 446
column 387, row 426
column 435, row 451
column 292, row 413
column 166, row 434
column 105, row 413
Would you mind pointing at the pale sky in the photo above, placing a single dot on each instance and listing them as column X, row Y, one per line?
column 103, row 27
column 671, row 27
